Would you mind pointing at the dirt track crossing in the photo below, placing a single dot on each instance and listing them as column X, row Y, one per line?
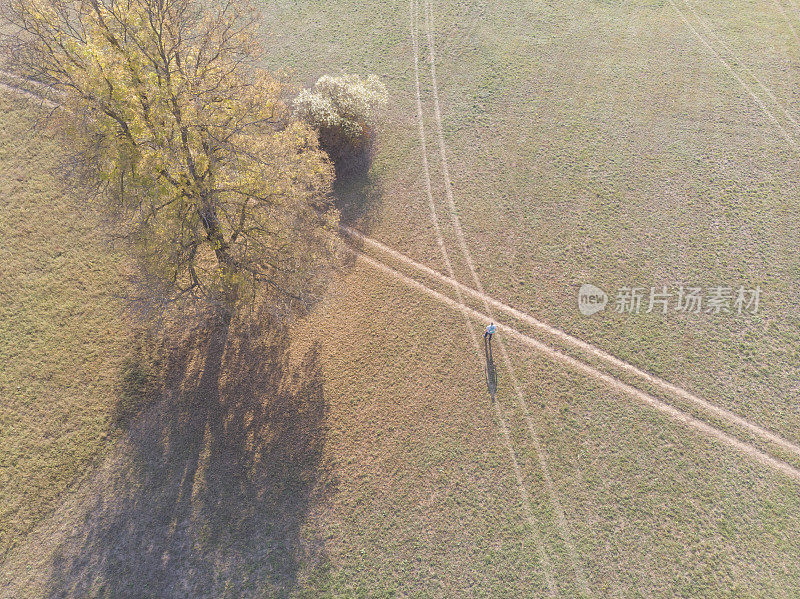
column 718, row 411
column 479, row 293
column 645, row 398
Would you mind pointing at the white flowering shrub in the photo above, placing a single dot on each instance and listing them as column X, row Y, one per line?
column 342, row 109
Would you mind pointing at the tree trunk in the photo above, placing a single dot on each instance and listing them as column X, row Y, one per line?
column 214, row 233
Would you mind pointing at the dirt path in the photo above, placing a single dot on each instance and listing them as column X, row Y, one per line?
column 498, row 410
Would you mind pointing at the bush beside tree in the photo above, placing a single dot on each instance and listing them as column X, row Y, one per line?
column 343, row 110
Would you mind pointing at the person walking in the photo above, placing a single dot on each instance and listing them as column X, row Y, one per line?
column 490, row 330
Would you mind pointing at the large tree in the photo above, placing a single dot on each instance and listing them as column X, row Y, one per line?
column 226, row 193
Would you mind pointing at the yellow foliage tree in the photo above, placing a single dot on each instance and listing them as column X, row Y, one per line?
column 227, row 193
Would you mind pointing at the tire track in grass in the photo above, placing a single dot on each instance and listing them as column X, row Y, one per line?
column 563, row 525
column 501, row 419
column 788, row 20
column 574, row 364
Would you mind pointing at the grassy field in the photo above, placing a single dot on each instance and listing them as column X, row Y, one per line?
column 62, row 342
column 357, row 455
column 598, row 143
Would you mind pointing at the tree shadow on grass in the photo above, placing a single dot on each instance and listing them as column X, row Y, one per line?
column 356, row 191
column 356, row 199
column 214, row 482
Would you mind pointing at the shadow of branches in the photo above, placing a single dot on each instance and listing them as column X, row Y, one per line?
column 213, row 482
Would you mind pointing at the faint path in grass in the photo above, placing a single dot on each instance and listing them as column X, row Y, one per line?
column 424, row 156
column 795, row 8
column 501, row 419
column 747, row 69
column 18, row 90
column 759, row 102
column 563, row 525
column 613, row 382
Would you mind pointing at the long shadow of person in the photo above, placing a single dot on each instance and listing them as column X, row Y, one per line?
column 491, row 371
column 212, row 485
